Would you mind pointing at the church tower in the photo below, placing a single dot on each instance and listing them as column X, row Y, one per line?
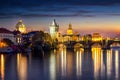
column 20, row 27
column 54, row 29
column 70, row 30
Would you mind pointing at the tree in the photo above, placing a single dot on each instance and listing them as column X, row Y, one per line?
column 41, row 42
column 41, row 38
column 38, row 37
column 47, row 38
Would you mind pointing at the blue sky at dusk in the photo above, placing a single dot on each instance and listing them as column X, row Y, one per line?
column 86, row 16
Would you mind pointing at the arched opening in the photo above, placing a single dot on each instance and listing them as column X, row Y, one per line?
column 5, row 43
column 61, row 46
column 78, row 46
column 96, row 45
column 115, row 45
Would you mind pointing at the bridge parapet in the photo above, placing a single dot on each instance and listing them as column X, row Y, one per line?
column 104, row 43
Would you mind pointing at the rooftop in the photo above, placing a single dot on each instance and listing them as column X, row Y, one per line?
column 4, row 30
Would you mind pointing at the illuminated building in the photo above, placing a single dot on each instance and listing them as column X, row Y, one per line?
column 70, row 36
column 6, row 34
column 18, row 37
column 60, row 37
column 96, row 37
column 21, row 27
column 87, row 38
column 54, row 28
column 70, row 30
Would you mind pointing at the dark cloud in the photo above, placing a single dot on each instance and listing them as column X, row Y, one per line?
column 81, row 13
column 50, row 8
column 57, row 15
column 113, row 14
column 32, row 3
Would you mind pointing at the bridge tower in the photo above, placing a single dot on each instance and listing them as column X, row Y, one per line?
column 54, row 29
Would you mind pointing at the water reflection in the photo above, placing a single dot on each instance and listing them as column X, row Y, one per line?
column 69, row 63
column 62, row 65
column 96, row 56
column 2, row 66
column 22, row 67
column 52, row 67
column 79, row 56
column 109, row 63
column 63, row 62
column 116, row 64
column 102, row 65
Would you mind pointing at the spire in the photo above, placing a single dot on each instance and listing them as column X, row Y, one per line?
column 20, row 20
column 54, row 22
column 70, row 26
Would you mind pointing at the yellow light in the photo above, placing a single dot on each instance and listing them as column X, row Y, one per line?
column 52, row 67
column 3, row 44
column 96, row 56
column 2, row 67
column 63, row 62
column 109, row 63
column 116, row 64
column 69, row 32
column 22, row 30
column 21, row 67
column 79, row 62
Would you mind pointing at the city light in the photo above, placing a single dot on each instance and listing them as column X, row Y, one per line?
column 60, row 40
column 3, row 44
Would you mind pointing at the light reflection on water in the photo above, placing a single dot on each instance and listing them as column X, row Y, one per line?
column 96, row 56
column 22, row 67
column 109, row 63
column 116, row 64
column 2, row 70
column 52, row 67
column 62, row 64
column 79, row 56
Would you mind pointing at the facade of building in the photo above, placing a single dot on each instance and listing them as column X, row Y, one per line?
column 6, row 34
column 20, row 27
column 54, row 30
column 18, row 36
column 96, row 37
column 87, row 37
column 70, row 35
column 70, row 30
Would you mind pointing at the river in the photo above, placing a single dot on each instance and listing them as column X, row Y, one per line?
column 62, row 64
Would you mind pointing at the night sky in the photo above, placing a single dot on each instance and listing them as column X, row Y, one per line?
column 86, row 16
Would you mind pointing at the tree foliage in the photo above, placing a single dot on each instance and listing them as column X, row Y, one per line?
column 41, row 38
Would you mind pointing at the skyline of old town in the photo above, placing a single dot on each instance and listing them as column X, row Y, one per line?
column 64, row 31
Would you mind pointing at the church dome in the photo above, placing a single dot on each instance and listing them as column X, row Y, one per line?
column 21, row 27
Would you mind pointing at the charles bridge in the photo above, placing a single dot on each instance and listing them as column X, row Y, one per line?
column 104, row 44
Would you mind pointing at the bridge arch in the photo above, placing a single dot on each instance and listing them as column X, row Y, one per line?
column 117, row 44
column 61, row 46
column 78, row 45
column 96, row 45
column 6, row 42
column 110, row 43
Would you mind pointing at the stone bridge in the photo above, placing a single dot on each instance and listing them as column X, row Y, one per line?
column 104, row 44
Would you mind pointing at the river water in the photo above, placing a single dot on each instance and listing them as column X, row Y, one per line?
column 62, row 64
